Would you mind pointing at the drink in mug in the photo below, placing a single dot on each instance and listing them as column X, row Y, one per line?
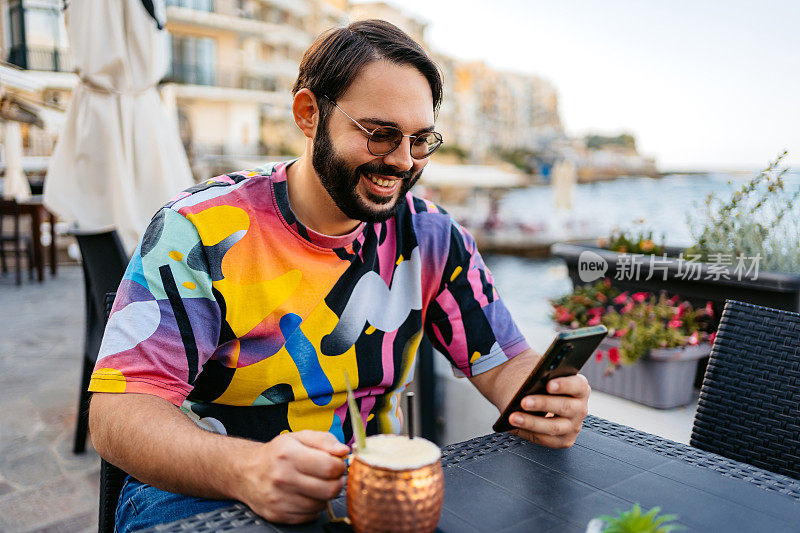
column 395, row 484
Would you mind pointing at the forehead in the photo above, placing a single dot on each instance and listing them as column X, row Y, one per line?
column 396, row 93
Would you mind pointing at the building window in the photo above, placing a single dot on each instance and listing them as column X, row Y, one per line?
column 38, row 35
column 194, row 60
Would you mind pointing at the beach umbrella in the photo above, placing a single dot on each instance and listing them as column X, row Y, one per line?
column 119, row 156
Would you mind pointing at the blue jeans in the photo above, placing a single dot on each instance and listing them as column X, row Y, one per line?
column 141, row 506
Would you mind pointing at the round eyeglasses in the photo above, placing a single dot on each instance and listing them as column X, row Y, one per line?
column 384, row 140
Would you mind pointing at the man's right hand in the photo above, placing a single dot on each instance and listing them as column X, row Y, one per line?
column 290, row 478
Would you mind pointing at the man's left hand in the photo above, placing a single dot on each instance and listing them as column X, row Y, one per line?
column 567, row 404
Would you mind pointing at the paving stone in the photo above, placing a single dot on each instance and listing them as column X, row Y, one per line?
column 56, row 500
column 33, row 466
column 5, row 488
column 19, row 418
column 71, row 463
column 75, row 524
column 43, row 486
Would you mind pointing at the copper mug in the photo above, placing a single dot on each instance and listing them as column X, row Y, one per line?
column 391, row 493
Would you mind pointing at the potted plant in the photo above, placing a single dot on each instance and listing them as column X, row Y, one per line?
column 745, row 249
column 654, row 345
column 634, row 521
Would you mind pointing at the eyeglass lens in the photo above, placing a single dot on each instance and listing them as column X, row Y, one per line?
column 386, row 139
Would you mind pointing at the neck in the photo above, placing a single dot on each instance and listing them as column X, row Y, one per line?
column 311, row 203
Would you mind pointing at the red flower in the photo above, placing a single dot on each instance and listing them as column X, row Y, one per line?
column 594, row 311
column 675, row 323
column 694, row 338
column 621, row 332
column 598, row 355
column 674, row 299
column 712, row 337
column 627, row 308
column 607, row 282
column 594, row 321
column 602, row 298
column 709, row 309
column 622, row 298
column 613, row 355
column 640, row 297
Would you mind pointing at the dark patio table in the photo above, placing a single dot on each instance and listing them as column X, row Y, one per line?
column 502, row 483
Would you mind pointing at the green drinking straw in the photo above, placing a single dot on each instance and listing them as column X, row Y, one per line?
column 355, row 416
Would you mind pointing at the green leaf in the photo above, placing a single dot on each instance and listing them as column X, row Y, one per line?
column 355, row 416
column 633, row 521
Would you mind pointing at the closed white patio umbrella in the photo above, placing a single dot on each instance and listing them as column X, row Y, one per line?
column 119, row 157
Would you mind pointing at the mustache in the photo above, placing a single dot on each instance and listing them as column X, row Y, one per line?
column 384, row 170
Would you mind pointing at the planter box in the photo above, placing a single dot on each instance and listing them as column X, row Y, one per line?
column 770, row 289
column 663, row 379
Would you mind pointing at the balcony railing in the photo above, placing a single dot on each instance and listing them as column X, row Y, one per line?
column 199, row 5
column 39, row 58
column 192, row 74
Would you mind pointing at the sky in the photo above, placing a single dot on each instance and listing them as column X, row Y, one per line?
column 702, row 84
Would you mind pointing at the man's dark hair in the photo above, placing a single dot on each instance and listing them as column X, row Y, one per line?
column 334, row 60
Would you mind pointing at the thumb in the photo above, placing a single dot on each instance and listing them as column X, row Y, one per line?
column 322, row 440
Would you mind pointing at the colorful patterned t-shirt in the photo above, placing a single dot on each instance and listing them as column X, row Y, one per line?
column 234, row 310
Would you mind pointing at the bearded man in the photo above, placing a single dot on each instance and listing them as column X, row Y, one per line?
column 221, row 374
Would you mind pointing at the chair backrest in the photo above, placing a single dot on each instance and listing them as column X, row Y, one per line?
column 749, row 407
column 104, row 262
column 111, row 477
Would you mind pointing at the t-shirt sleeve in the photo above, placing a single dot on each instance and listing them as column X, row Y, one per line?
column 466, row 320
column 165, row 322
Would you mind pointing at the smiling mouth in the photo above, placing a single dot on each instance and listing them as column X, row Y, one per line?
column 383, row 182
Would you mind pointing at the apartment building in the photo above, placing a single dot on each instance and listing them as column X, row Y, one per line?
column 37, row 74
column 232, row 68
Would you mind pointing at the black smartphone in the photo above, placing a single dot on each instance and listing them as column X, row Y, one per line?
column 566, row 355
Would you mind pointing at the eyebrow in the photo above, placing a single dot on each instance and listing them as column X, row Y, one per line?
column 381, row 122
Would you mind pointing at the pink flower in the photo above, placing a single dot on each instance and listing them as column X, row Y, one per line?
column 598, row 355
column 613, row 355
column 679, row 311
column 621, row 332
column 674, row 300
column 640, row 297
column 621, row 298
column 675, row 323
column 709, row 309
column 594, row 321
column 627, row 308
column 594, row 311
column 712, row 337
column 694, row 338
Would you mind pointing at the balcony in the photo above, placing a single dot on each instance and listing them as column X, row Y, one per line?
column 210, row 83
column 191, row 74
column 245, row 27
column 39, row 58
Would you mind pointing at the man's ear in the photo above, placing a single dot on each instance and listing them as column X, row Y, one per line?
column 306, row 112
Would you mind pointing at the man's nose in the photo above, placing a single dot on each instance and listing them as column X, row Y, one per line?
column 401, row 158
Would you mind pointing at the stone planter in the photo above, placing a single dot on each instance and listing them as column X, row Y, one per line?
column 663, row 379
column 706, row 282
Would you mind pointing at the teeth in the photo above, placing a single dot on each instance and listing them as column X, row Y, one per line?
column 381, row 182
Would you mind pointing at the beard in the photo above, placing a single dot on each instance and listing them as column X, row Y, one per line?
column 340, row 181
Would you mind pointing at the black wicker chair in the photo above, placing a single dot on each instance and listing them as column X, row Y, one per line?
column 104, row 262
column 749, row 407
column 111, row 477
